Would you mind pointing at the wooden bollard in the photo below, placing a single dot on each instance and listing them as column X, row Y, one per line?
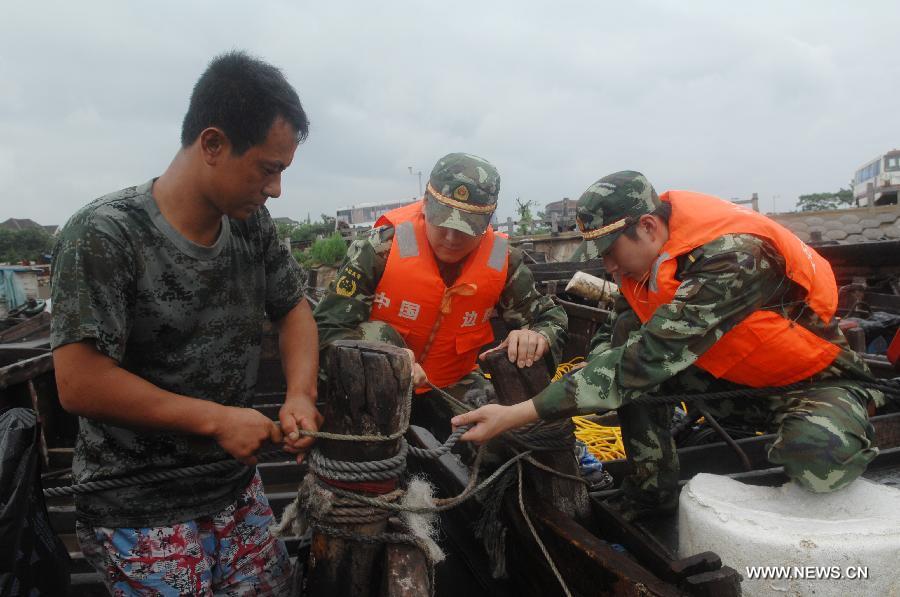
column 366, row 395
column 406, row 571
column 514, row 385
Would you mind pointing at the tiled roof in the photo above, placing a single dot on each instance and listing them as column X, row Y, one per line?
column 844, row 226
column 19, row 224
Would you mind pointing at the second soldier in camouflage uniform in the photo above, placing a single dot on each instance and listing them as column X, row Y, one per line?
column 458, row 182
column 824, row 439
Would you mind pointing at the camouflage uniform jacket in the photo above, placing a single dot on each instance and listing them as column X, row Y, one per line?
column 722, row 282
column 185, row 317
column 521, row 305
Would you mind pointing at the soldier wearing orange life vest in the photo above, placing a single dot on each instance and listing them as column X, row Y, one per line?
column 429, row 277
column 714, row 297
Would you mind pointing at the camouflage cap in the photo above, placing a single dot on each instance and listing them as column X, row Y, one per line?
column 609, row 206
column 462, row 193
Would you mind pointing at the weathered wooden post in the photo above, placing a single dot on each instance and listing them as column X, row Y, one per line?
column 405, row 570
column 514, row 385
column 366, row 395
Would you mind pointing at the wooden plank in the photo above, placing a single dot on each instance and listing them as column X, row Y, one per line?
column 588, row 564
column 33, row 327
column 27, row 368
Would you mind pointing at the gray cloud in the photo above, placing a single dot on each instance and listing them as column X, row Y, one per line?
column 776, row 98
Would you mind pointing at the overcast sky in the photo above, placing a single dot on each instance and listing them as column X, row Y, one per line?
column 778, row 98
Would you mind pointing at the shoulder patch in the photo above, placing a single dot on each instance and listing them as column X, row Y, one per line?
column 345, row 285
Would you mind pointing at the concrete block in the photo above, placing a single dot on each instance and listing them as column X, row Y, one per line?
column 854, row 529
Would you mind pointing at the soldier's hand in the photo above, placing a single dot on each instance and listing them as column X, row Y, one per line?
column 241, row 431
column 523, row 347
column 493, row 419
column 299, row 412
column 418, row 374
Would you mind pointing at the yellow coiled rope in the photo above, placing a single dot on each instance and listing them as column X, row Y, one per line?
column 603, row 442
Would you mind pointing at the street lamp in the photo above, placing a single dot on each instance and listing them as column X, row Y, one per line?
column 419, row 173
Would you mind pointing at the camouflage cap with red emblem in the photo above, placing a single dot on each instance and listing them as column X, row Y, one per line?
column 462, row 193
column 609, row 206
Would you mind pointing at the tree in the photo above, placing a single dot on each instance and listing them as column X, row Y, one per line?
column 285, row 229
column 31, row 244
column 312, row 231
column 525, row 218
column 820, row 201
column 329, row 251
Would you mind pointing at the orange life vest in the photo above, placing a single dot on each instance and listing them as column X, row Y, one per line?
column 444, row 327
column 764, row 349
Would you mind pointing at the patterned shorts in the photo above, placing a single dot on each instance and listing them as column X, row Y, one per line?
column 228, row 553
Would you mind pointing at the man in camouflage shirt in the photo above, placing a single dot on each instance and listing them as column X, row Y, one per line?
column 460, row 198
column 824, row 439
column 160, row 292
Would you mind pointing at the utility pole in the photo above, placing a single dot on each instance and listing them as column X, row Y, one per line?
column 419, row 173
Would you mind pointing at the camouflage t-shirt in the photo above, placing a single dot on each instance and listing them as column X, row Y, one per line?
column 182, row 316
column 521, row 306
column 722, row 282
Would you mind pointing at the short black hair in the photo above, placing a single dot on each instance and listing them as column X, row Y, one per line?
column 243, row 96
column 663, row 212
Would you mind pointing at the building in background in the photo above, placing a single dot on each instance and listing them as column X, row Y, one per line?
column 365, row 214
column 564, row 208
column 877, row 182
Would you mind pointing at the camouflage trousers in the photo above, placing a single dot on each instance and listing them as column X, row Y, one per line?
column 823, row 437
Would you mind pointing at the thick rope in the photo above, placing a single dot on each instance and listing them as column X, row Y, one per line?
column 218, row 466
column 441, row 504
column 888, row 387
column 357, row 472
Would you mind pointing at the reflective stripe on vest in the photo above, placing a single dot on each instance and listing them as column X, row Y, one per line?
column 446, row 325
column 764, row 349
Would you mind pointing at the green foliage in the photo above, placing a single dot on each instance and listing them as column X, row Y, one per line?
column 285, row 229
column 307, row 232
column 820, row 201
column 32, row 243
column 542, row 227
column 525, row 218
column 303, row 258
column 329, row 251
